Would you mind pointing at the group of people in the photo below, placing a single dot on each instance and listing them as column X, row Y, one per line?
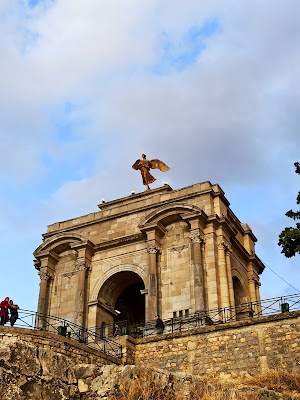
column 8, row 312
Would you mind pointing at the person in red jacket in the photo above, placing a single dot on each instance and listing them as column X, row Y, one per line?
column 4, row 306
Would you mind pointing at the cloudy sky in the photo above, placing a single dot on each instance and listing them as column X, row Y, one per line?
column 210, row 87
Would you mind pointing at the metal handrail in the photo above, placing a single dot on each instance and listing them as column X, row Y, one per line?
column 38, row 321
column 216, row 316
column 100, row 337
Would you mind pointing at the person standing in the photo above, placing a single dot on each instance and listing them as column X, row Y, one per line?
column 117, row 331
column 4, row 306
column 13, row 312
column 159, row 325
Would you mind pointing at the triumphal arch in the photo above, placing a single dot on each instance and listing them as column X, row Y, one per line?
column 162, row 251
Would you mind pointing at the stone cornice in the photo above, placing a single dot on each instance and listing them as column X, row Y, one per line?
column 156, row 226
column 248, row 231
column 121, row 241
column 87, row 244
column 199, row 216
column 241, row 248
column 129, row 199
column 50, row 254
column 249, row 257
column 152, row 206
column 228, row 227
column 257, row 262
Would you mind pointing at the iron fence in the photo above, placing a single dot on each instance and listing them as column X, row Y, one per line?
column 101, row 337
column 211, row 317
column 89, row 337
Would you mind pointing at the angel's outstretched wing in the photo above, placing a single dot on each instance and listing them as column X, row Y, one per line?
column 157, row 164
column 136, row 164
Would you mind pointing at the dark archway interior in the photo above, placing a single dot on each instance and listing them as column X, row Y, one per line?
column 131, row 304
column 122, row 291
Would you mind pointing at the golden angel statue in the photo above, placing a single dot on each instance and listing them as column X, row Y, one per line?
column 145, row 165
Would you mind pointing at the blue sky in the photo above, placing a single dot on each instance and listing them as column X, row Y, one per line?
column 211, row 88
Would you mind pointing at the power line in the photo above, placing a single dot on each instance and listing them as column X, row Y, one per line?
column 282, row 278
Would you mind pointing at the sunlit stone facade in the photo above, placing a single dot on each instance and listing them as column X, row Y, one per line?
column 163, row 251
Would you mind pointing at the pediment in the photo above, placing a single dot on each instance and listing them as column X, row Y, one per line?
column 60, row 243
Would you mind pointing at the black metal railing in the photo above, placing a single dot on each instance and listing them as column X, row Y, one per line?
column 101, row 337
column 89, row 337
column 210, row 317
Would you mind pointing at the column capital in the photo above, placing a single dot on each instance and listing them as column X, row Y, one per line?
column 45, row 274
column 196, row 237
column 251, row 277
column 221, row 244
column 82, row 265
column 153, row 247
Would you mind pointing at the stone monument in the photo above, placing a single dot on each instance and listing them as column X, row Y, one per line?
column 162, row 251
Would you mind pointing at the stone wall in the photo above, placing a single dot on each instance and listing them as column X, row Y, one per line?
column 49, row 342
column 248, row 346
column 41, row 365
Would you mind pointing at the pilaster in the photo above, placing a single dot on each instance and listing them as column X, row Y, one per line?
column 224, row 289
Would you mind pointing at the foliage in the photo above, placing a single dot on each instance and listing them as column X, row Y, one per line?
column 289, row 239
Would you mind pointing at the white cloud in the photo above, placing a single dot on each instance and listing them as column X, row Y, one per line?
column 231, row 116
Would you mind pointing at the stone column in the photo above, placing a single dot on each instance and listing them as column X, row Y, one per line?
column 229, row 277
column 224, row 291
column 46, row 267
column 82, row 266
column 43, row 302
column 152, row 298
column 200, row 303
column 251, row 282
column 257, row 285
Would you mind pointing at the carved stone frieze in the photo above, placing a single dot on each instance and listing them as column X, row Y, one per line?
column 69, row 275
column 179, row 249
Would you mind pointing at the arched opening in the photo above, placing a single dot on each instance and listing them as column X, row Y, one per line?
column 239, row 294
column 121, row 294
column 240, row 299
